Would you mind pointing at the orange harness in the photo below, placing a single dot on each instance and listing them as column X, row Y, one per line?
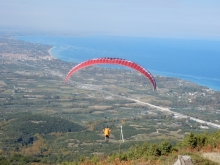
column 106, row 131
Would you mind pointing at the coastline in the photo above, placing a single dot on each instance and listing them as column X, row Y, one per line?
column 211, row 82
column 49, row 51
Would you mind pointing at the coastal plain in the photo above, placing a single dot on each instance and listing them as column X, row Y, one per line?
column 40, row 114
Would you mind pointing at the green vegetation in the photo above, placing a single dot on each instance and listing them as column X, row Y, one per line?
column 23, row 128
column 45, row 121
column 192, row 145
column 164, row 152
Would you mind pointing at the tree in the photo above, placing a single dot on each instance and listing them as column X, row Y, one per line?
column 4, row 161
column 165, row 147
column 154, row 150
column 190, row 141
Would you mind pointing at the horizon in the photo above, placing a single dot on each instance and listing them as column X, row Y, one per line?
column 154, row 19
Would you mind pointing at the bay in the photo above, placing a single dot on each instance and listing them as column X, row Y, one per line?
column 197, row 61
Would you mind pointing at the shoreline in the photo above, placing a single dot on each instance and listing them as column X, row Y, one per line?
column 202, row 81
column 49, row 51
column 158, row 73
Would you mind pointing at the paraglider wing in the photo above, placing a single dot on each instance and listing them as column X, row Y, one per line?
column 117, row 61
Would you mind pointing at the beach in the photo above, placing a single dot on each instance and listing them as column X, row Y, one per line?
column 49, row 51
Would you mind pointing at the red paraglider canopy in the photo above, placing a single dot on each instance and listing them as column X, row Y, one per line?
column 118, row 61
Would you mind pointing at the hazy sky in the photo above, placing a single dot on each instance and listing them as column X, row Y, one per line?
column 154, row 18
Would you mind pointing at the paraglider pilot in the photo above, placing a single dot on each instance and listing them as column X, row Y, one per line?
column 106, row 132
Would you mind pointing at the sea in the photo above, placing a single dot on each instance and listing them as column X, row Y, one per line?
column 194, row 60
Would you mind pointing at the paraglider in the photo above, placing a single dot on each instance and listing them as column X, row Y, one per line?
column 118, row 61
column 106, row 132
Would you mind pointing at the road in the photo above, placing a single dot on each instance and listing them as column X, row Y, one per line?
column 176, row 113
column 91, row 87
column 167, row 110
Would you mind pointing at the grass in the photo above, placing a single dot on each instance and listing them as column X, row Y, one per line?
column 213, row 156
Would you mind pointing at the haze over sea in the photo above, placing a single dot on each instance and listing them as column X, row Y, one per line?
column 197, row 61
